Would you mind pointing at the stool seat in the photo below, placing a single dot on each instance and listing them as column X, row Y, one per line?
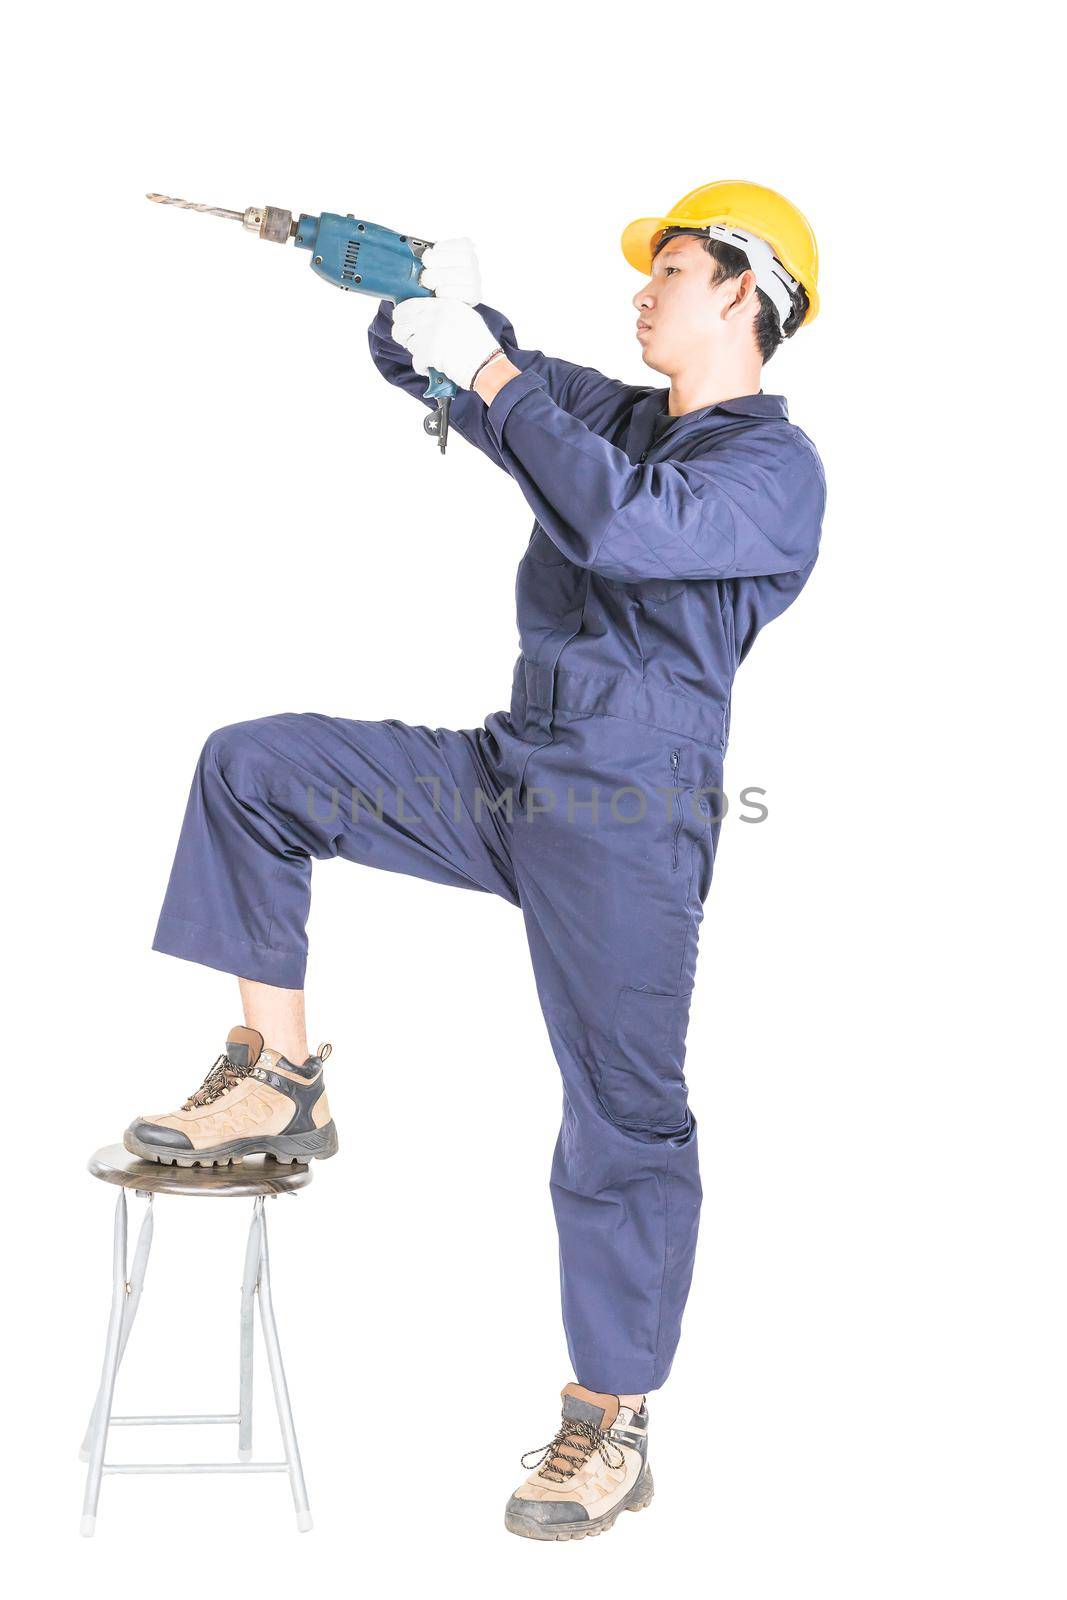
column 255, row 1175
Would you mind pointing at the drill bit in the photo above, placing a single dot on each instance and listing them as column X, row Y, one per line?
column 192, row 205
column 270, row 222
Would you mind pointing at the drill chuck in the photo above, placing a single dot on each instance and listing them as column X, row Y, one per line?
column 270, row 222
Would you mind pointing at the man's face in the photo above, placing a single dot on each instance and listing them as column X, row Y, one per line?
column 679, row 309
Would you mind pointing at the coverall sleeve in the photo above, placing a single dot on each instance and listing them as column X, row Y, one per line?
column 751, row 507
column 582, row 391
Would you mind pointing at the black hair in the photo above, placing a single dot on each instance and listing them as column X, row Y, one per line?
column 731, row 263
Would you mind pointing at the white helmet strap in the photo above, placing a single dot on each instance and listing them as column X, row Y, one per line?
column 771, row 276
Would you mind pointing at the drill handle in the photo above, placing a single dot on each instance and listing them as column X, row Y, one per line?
column 438, row 386
column 442, row 390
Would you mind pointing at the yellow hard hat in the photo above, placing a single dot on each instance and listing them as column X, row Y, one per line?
column 748, row 206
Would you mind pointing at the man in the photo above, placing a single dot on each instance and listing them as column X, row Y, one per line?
column 672, row 523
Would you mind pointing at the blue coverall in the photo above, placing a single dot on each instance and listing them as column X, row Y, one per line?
column 591, row 803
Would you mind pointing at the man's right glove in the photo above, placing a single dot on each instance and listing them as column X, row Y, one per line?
column 450, row 269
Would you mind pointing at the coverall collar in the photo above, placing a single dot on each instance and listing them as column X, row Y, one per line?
column 651, row 427
column 748, row 405
column 757, row 405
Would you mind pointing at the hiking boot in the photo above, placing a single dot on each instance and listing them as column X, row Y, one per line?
column 595, row 1467
column 252, row 1102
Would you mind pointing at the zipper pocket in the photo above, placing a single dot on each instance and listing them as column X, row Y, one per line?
column 677, row 801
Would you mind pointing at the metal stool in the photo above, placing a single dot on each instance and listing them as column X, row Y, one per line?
column 256, row 1177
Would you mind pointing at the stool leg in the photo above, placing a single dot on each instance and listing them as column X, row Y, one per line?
column 248, row 1297
column 277, row 1373
column 98, row 1440
column 129, row 1311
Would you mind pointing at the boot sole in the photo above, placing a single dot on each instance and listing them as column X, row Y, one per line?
column 556, row 1533
column 318, row 1144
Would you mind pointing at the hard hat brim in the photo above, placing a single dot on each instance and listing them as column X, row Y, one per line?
column 637, row 240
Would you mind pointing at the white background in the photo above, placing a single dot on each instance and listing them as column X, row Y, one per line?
column 217, row 509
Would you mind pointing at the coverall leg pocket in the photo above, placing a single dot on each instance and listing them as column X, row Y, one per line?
column 642, row 1082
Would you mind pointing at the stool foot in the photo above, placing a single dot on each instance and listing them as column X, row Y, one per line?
column 277, row 1373
column 248, row 1300
column 129, row 1311
column 96, row 1442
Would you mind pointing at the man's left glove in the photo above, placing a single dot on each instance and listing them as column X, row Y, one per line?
column 450, row 269
column 445, row 334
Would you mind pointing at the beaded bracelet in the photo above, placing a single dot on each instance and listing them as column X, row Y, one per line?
column 490, row 357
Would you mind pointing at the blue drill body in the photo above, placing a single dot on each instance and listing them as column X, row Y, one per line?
column 368, row 259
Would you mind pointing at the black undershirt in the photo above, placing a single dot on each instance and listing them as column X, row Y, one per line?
column 660, row 424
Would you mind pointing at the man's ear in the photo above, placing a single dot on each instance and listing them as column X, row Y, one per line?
column 743, row 300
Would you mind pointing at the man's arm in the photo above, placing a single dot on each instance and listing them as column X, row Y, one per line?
column 751, row 507
column 583, row 392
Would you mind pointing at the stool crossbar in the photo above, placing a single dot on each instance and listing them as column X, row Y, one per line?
column 115, row 1165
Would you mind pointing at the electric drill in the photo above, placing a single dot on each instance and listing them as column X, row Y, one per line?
column 359, row 257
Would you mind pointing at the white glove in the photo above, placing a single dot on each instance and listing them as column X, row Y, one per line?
column 445, row 334
column 450, row 269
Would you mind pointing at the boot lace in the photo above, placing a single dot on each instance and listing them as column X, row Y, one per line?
column 571, row 1448
column 219, row 1081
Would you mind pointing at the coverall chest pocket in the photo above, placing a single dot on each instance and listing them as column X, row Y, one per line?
column 642, row 1082
column 656, row 591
